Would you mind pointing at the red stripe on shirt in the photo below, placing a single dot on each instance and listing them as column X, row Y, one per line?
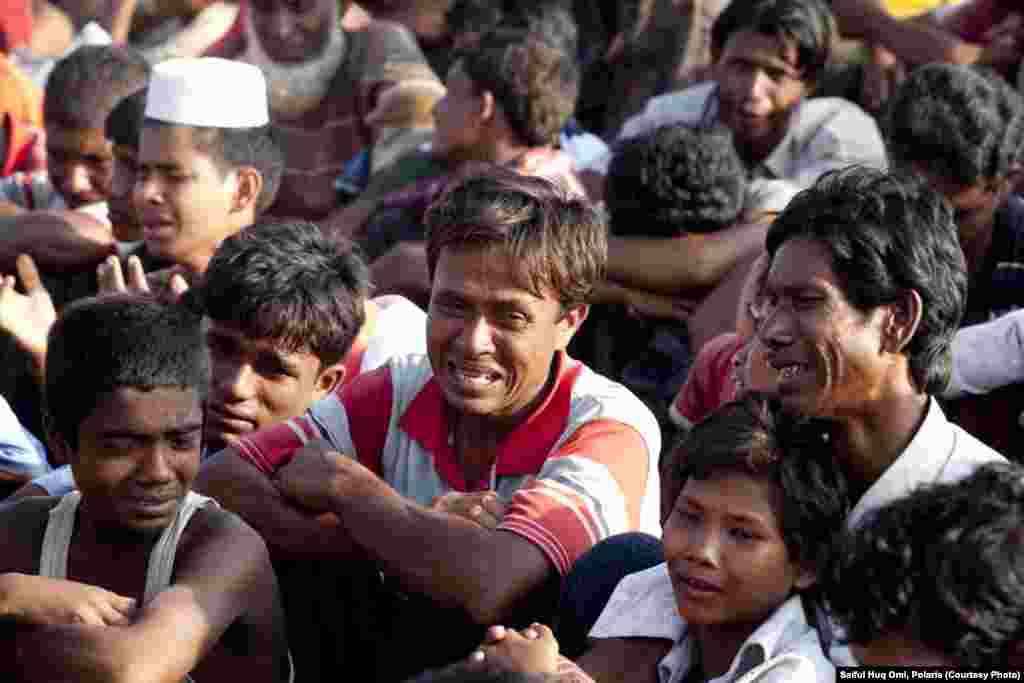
column 367, row 403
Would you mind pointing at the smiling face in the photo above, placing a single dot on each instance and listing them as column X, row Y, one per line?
column 80, row 164
column 759, row 84
column 491, row 340
column 829, row 355
column 137, row 455
column 254, row 383
column 183, row 200
column 725, row 553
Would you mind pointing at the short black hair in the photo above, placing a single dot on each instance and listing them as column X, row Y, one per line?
column 675, row 180
column 887, row 234
column 548, row 20
column 808, row 24
column 125, row 121
column 85, row 86
column 286, row 281
column 756, row 436
column 121, row 340
column 944, row 565
column 965, row 125
column 232, row 148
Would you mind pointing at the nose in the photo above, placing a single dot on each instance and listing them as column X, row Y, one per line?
column 146, row 191
column 76, row 181
column 279, row 25
column 235, row 382
column 755, row 85
column 477, row 336
column 156, row 466
column 702, row 546
column 775, row 330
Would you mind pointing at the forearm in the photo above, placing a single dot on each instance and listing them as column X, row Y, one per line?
column 679, row 265
column 288, row 531
column 55, row 239
column 50, row 654
column 453, row 561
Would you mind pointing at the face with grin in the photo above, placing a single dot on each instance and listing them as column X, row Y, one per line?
column 759, row 84
column 725, row 553
column 138, row 453
column 491, row 340
column 829, row 355
column 254, row 383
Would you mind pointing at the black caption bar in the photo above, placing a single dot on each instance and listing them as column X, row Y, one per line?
column 924, row 673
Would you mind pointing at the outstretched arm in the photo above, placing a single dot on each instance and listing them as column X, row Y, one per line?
column 55, row 239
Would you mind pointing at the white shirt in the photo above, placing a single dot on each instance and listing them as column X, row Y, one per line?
column 988, row 356
column 825, row 133
column 401, row 329
column 783, row 648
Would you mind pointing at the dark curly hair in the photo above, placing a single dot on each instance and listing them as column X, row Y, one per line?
column 755, row 435
column 887, row 234
column 965, row 125
column 535, row 83
column 945, row 564
column 85, row 86
column 675, row 180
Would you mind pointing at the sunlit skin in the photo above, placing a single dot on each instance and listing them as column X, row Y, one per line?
column 491, row 340
column 729, row 565
column 295, row 30
column 185, row 203
column 137, row 455
column 80, row 163
column 121, row 208
column 458, row 119
column 829, row 354
column 255, row 383
column 759, row 85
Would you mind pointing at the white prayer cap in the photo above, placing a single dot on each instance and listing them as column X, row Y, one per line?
column 208, row 91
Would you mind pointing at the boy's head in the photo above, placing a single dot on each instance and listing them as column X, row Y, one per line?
column 82, row 90
column 126, row 379
column 759, row 495
column 122, row 130
column 283, row 305
column 208, row 162
column 768, row 55
column 678, row 179
column 936, row 578
column 963, row 132
column 514, row 77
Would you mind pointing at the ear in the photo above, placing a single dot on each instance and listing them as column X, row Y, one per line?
column 488, row 106
column 329, row 379
column 901, row 322
column 805, row 579
column 570, row 323
column 249, row 185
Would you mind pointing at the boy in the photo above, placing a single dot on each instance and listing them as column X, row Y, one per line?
column 759, row 494
column 933, row 579
column 133, row 573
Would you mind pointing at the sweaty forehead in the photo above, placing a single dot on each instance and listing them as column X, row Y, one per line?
column 486, row 272
column 800, row 262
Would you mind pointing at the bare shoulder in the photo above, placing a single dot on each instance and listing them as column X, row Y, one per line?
column 214, row 530
column 22, row 524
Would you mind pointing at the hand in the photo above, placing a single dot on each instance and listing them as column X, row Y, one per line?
column 27, row 317
column 43, row 601
column 168, row 283
column 534, row 650
column 482, row 507
column 317, row 477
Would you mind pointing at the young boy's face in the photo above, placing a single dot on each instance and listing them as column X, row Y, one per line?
column 183, row 200
column 80, row 164
column 725, row 552
column 137, row 455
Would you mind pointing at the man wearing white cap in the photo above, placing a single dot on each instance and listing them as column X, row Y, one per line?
column 208, row 165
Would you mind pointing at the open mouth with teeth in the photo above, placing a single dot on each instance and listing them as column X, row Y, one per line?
column 788, row 371
column 469, row 376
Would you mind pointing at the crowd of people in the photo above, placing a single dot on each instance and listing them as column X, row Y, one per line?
column 510, row 340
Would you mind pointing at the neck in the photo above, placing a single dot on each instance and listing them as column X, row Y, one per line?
column 95, row 532
column 869, row 443
column 719, row 644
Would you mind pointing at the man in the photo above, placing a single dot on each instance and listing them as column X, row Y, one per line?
column 60, row 217
column 768, row 55
column 207, row 164
column 494, row 404
column 864, row 292
column 133, row 577
column 963, row 133
column 323, row 82
column 288, row 320
column 506, row 102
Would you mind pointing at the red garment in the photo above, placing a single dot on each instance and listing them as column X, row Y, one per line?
column 26, row 149
column 15, row 24
column 710, row 384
